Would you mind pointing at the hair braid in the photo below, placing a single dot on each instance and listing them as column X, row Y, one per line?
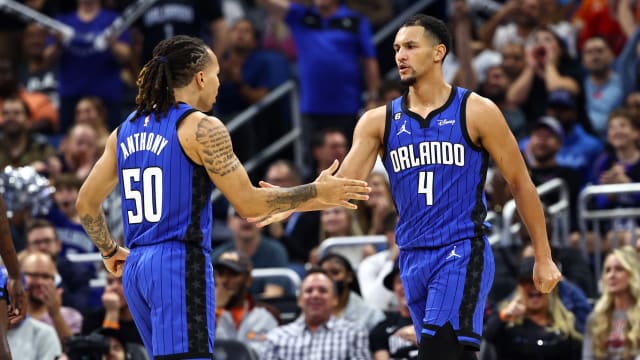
column 175, row 61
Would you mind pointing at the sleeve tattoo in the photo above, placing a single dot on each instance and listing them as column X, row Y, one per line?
column 218, row 157
column 283, row 199
column 98, row 232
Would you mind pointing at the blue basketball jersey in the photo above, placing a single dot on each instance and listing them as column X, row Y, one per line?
column 436, row 174
column 165, row 196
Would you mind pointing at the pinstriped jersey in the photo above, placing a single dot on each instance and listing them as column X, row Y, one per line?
column 436, row 173
column 165, row 196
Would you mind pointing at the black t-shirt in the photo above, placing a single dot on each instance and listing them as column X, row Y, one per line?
column 167, row 18
column 382, row 338
column 571, row 177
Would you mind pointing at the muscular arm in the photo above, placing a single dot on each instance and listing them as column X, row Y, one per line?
column 206, row 141
column 367, row 145
column 99, row 184
column 7, row 249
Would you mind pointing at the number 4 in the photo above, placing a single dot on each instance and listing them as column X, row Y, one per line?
column 425, row 186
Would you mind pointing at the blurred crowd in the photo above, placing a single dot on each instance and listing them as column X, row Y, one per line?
column 565, row 74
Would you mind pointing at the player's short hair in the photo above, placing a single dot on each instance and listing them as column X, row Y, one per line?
column 434, row 27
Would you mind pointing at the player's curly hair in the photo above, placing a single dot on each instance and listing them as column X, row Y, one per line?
column 434, row 27
column 175, row 61
column 602, row 314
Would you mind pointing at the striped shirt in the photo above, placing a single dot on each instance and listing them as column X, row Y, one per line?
column 337, row 339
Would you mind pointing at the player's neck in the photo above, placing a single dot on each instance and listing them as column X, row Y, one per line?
column 186, row 95
column 429, row 94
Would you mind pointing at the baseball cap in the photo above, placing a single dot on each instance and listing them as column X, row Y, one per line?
column 388, row 280
column 552, row 124
column 561, row 98
column 235, row 261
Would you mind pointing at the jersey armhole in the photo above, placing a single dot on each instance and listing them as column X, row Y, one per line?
column 463, row 122
column 387, row 129
column 178, row 122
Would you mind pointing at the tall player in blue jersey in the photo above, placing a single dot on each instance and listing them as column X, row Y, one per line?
column 166, row 157
column 435, row 142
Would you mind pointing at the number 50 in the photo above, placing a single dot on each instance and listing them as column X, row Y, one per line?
column 150, row 197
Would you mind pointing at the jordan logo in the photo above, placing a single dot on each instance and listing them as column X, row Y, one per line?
column 403, row 129
column 146, row 121
column 452, row 254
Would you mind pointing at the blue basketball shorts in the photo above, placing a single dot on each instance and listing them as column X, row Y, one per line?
column 170, row 291
column 448, row 284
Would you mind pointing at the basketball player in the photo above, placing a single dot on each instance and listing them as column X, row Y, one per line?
column 13, row 301
column 165, row 157
column 435, row 142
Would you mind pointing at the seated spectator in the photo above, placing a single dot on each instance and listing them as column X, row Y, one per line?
column 263, row 251
column 91, row 110
column 620, row 162
column 79, row 152
column 45, row 297
column 373, row 269
column 299, row 233
column 495, row 87
column 613, row 328
column 533, row 325
column 350, row 304
column 19, row 147
column 317, row 333
column 115, row 313
column 42, row 113
column 33, row 340
column 34, row 74
column 328, row 145
column 238, row 315
column 340, row 221
column 41, row 236
column 371, row 212
column 395, row 337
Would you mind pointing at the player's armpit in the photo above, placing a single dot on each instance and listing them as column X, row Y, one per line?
column 215, row 148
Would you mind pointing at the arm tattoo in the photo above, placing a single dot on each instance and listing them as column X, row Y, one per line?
column 218, row 157
column 98, row 232
column 283, row 199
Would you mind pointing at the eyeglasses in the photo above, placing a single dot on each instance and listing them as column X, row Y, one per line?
column 43, row 276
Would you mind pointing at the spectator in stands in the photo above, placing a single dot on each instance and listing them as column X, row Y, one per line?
column 79, row 152
column 513, row 23
column 533, row 325
column 248, row 74
column 373, row 269
column 632, row 105
column 45, row 297
column 333, row 43
column 579, row 148
column 19, row 147
column 495, row 87
column 596, row 17
column 389, row 90
column 371, row 213
column 350, row 304
column 64, row 216
column 339, row 222
column 613, row 329
column 317, row 332
column 608, row 79
column 328, row 145
column 238, row 315
column 300, row 232
column 91, row 110
column 263, row 251
column 395, row 337
column 114, row 314
column 513, row 60
column 33, row 340
column 548, row 68
column 166, row 18
column 41, row 112
column 34, row 74
column 80, row 56
column 41, row 236
column 547, row 137
column 620, row 162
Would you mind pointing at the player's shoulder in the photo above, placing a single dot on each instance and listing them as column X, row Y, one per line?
column 375, row 115
column 480, row 108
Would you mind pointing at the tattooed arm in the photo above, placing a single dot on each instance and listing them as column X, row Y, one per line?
column 99, row 184
column 206, row 141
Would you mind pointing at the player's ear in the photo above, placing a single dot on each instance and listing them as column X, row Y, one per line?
column 440, row 52
column 199, row 77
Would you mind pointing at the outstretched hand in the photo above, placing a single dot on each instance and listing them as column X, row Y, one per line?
column 546, row 275
column 335, row 191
